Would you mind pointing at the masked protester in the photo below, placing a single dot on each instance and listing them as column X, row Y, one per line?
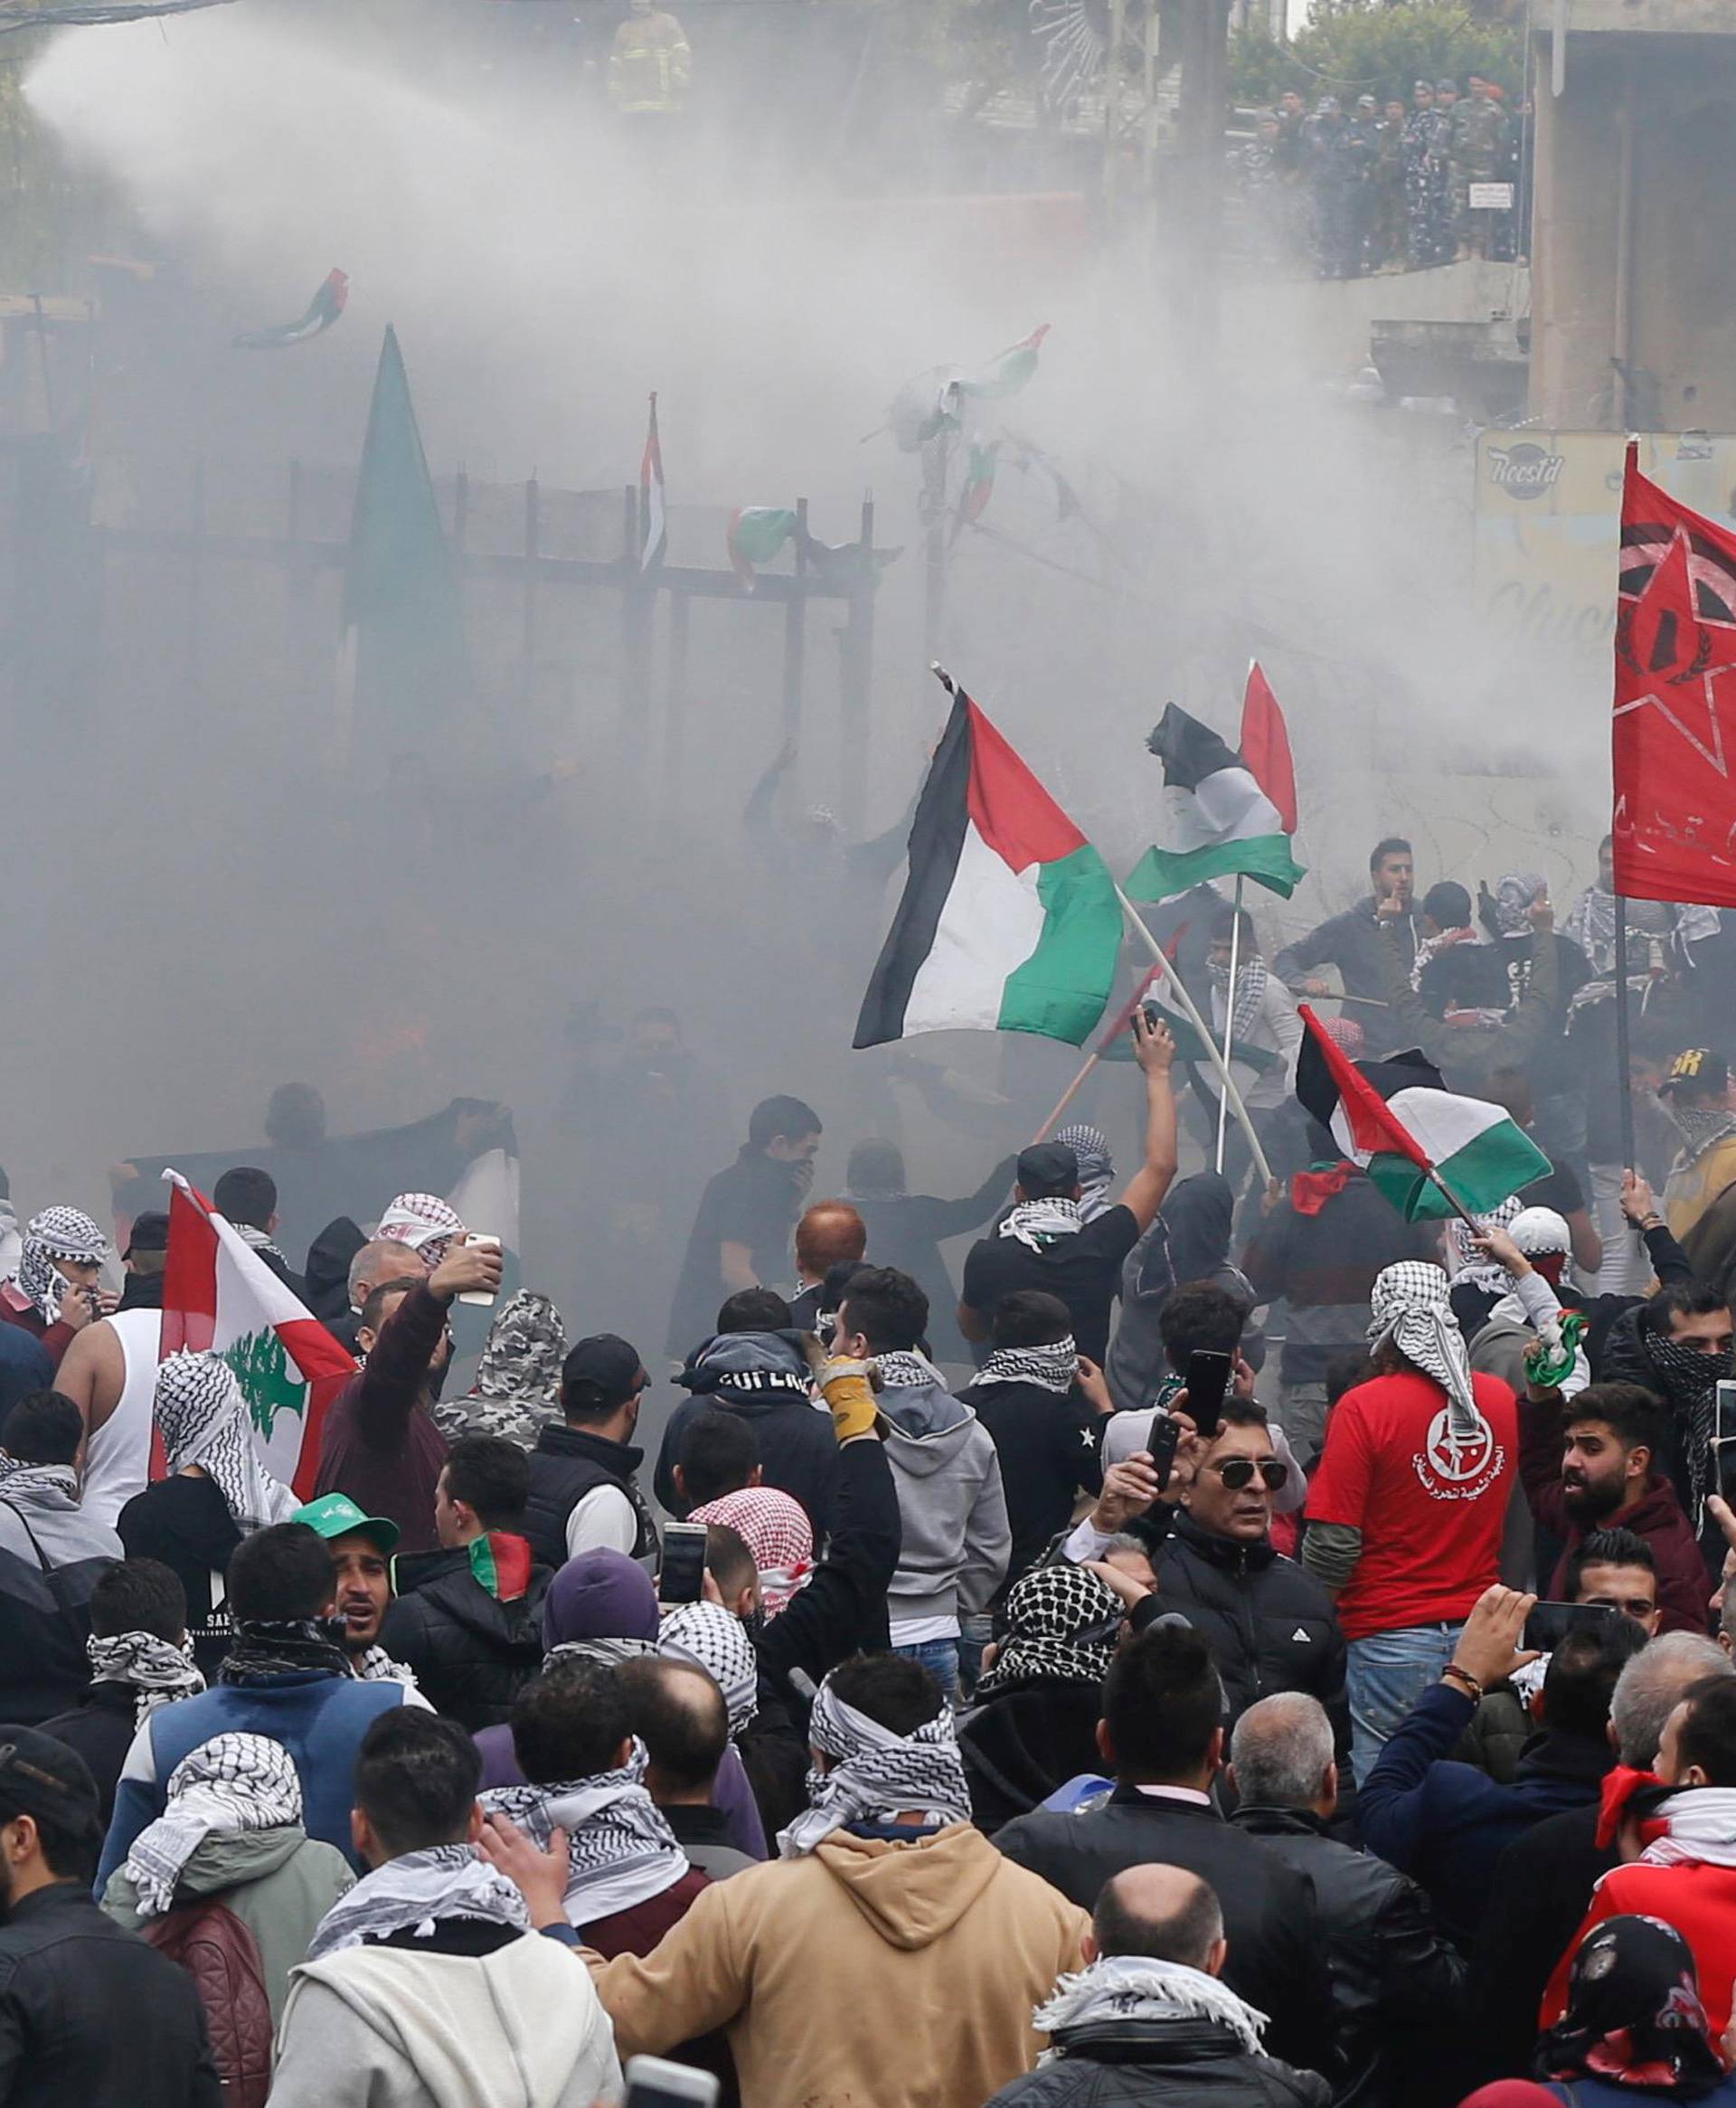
column 54, row 1295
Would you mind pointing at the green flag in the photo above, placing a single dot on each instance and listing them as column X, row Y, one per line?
column 402, row 592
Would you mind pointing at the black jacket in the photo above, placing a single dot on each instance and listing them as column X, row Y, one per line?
column 1023, row 1743
column 1398, row 1987
column 44, row 1622
column 100, row 1728
column 798, row 1452
column 1538, row 1900
column 839, row 1610
column 184, row 1523
column 1268, row 1623
column 1154, row 2064
column 472, row 1653
column 1048, row 1453
column 1277, row 1958
column 566, row 1464
column 90, row 2015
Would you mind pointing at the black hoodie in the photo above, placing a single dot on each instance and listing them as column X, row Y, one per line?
column 185, row 1524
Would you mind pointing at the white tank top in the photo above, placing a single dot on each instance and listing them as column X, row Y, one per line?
column 117, row 1460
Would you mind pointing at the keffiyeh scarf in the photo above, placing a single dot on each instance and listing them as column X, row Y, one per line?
column 1514, row 893
column 30, row 1481
column 1700, row 1127
column 231, row 1783
column 902, row 1371
column 1041, row 1223
column 1061, row 1626
column 260, row 1241
column 1471, row 1267
column 611, row 1651
column 1431, row 948
column 776, row 1529
column 159, row 1672
column 1251, row 977
column 1409, row 1306
column 203, row 1417
column 58, row 1233
column 373, row 1665
column 413, row 1894
column 708, row 1637
column 1133, row 1987
column 620, row 1850
column 1090, row 1145
column 1592, row 926
column 876, row 1774
column 1050, row 1368
column 425, row 1223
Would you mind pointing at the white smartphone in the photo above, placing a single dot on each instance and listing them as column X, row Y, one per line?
column 653, row 2081
column 476, row 1295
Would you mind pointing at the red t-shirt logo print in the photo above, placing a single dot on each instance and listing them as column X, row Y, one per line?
column 1674, row 724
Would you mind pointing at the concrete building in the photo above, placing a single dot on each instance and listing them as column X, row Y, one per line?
column 1634, row 238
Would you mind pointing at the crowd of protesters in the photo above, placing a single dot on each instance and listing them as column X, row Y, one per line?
column 1355, row 185
column 975, row 1700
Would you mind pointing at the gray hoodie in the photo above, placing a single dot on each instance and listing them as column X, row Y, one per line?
column 957, row 1542
column 31, row 1508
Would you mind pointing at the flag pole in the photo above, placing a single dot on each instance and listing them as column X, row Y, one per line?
column 1625, row 1085
column 1191, row 1009
column 1123, row 1018
column 1066, row 1097
column 1229, row 1022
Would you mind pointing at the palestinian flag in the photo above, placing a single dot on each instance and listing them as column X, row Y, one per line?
column 1226, row 824
column 1007, row 375
column 315, row 320
column 1396, row 1120
column 219, row 1294
column 756, row 534
column 1009, row 921
column 651, row 512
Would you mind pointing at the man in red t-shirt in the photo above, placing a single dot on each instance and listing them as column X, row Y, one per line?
column 1407, row 1506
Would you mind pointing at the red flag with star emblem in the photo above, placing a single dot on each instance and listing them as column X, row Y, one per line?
column 1674, row 732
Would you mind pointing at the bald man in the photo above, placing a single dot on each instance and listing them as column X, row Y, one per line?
column 830, row 1234
column 1148, row 2020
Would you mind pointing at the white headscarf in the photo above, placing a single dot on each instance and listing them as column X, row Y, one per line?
column 231, row 1783
column 706, row 1636
column 424, row 1222
column 58, row 1233
column 876, row 1774
column 1409, row 1306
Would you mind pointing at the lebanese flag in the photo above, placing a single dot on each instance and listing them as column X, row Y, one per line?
column 1674, row 728
column 1266, row 746
column 219, row 1295
column 651, row 510
column 1009, row 921
column 1397, row 1120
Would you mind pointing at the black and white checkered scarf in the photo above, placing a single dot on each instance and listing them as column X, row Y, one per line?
column 876, row 1774
column 58, row 1233
column 1038, row 1224
column 201, row 1416
column 231, row 1783
column 1061, row 1625
column 1050, row 1368
column 414, row 1891
column 157, row 1670
column 1409, row 1306
column 620, row 1851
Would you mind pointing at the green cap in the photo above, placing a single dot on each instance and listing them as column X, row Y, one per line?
column 335, row 1515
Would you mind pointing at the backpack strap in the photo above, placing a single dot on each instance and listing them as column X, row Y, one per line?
column 24, row 1524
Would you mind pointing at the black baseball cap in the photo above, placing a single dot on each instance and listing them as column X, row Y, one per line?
column 150, row 1232
column 606, row 1364
column 42, row 1777
column 1046, row 1168
column 1699, row 1073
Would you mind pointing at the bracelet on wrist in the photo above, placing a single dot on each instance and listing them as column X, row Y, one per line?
column 1453, row 1673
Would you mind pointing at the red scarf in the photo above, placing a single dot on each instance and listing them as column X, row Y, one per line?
column 1622, row 1786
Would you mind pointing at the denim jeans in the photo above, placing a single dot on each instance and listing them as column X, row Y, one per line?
column 1386, row 1674
column 940, row 1659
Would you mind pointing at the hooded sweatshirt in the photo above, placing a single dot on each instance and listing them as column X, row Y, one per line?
column 388, row 2028
column 280, row 1883
column 807, row 1963
column 956, row 1541
column 764, row 1377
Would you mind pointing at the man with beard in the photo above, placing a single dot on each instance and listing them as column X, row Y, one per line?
column 360, row 1546
column 1677, row 1347
column 740, row 1236
column 1587, row 1467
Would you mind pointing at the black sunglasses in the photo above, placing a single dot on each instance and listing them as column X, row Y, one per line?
column 1239, row 1471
